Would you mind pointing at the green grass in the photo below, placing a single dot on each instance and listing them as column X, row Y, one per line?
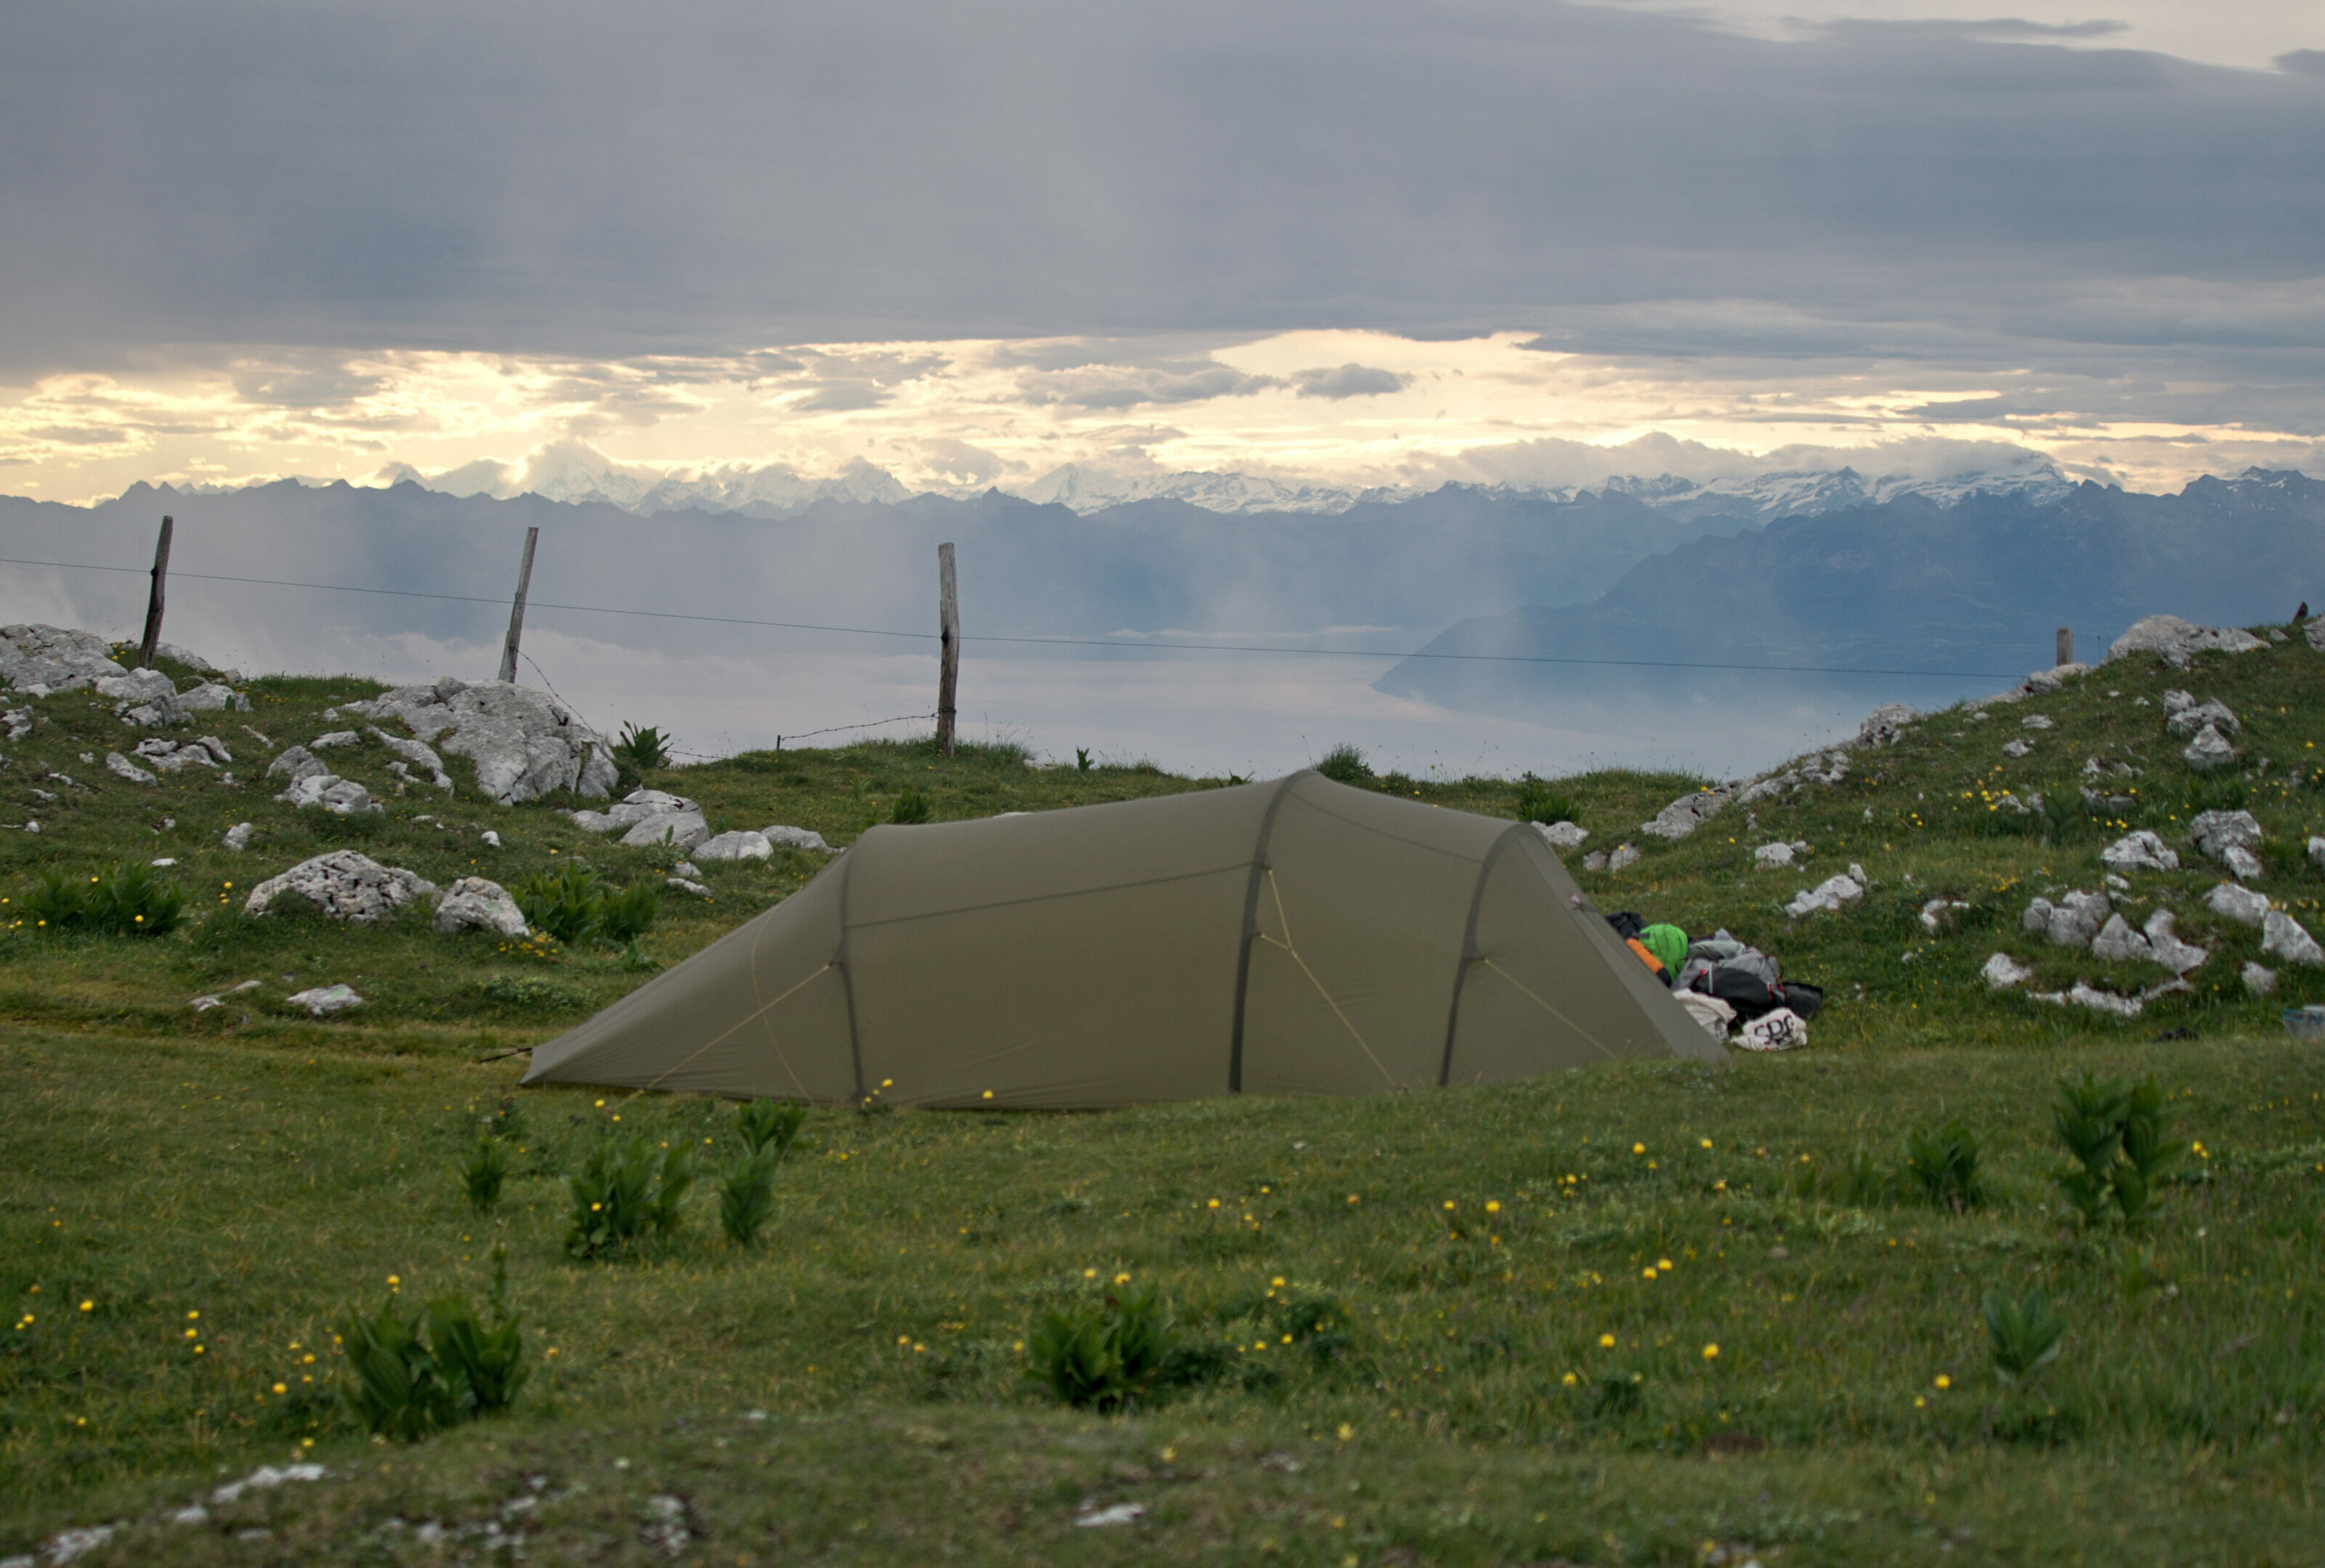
column 850, row 1387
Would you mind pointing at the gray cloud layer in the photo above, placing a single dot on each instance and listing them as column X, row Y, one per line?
column 611, row 178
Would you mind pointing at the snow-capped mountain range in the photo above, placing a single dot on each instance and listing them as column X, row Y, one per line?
column 569, row 472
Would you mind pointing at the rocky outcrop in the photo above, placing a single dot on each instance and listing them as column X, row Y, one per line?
column 2072, row 921
column 525, row 744
column 744, row 845
column 475, row 904
column 41, row 658
column 119, row 765
column 294, row 763
column 2183, row 715
column 412, row 753
column 175, row 756
column 784, row 837
column 345, row 886
column 1557, row 835
column 1844, row 891
column 2229, row 838
column 1688, row 813
column 2284, row 937
column 342, row 797
column 2242, row 905
column 1885, row 725
column 2139, row 851
column 2177, row 642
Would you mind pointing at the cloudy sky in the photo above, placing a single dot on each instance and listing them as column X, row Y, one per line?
column 1352, row 241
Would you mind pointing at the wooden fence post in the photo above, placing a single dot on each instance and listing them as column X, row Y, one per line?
column 2066, row 644
column 516, row 609
column 153, row 638
column 948, row 666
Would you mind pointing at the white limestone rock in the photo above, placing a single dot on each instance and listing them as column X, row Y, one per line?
column 684, row 885
column 2284, row 937
column 53, row 659
column 1939, row 915
column 2163, row 945
column 476, row 904
column 2242, row 863
column 342, row 797
column 1595, row 861
column 1559, row 835
column 2190, row 717
column 334, row 740
column 525, row 744
column 741, row 845
column 322, row 1001
column 2241, row 905
column 2140, row 851
column 2214, row 833
column 2209, row 751
column 238, row 838
column 344, row 885
column 2259, row 980
column 295, row 763
column 2015, row 749
column 1625, row 855
column 2035, row 721
column 1833, row 893
column 118, row 764
column 2117, row 942
column 19, row 722
column 413, row 754
column 1772, row 857
column 2177, row 642
column 2086, row 995
column 2002, row 971
column 2317, row 851
column 678, row 830
column 1885, row 725
column 784, row 837
column 212, row 697
column 1688, row 813
column 2072, row 921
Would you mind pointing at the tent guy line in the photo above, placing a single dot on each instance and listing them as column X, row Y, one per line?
column 599, row 610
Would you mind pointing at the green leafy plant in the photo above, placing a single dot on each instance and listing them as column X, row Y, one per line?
column 124, row 899
column 486, row 1170
column 769, row 1124
column 912, row 806
column 629, row 914
column 2120, row 1135
column 747, row 1197
column 1082, row 763
column 1344, row 763
column 626, row 1191
column 1860, row 1181
column 1944, row 1164
column 400, row 1386
column 641, row 749
column 1110, row 1356
column 564, row 903
column 572, row 904
column 1539, row 800
column 2022, row 1334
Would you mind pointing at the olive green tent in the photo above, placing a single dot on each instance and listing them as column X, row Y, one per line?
column 1291, row 937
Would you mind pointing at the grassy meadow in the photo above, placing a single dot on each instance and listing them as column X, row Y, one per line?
column 1647, row 1313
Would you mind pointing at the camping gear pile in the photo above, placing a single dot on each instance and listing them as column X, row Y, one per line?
column 1724, row 984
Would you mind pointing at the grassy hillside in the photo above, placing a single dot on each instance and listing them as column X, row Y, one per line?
column 1480, row 1367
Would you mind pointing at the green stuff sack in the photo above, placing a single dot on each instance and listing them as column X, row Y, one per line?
column 1667, row 942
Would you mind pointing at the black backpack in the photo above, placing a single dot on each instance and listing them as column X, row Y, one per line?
column 1627, row 923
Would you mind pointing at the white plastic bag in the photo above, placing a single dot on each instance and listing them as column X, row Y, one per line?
column 1779, row 1030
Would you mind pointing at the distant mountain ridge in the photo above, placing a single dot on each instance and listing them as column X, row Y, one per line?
column 578, row 476
column 1899, row 585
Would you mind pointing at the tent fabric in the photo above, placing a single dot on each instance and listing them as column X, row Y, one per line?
column 1293, row 937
